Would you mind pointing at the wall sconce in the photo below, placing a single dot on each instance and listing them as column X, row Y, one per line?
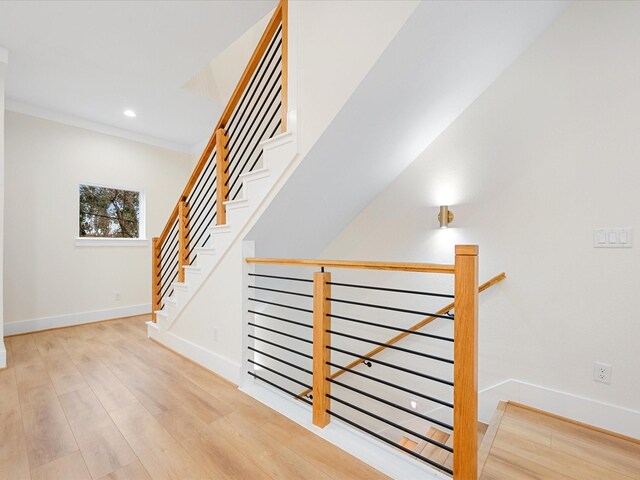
column 445, row 217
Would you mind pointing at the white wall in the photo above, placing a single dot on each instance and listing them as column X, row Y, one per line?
column 46, row 274
column 339, row 43
column 3, row 69
column 547, row 154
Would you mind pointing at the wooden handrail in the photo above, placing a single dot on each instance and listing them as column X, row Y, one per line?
column 277, row 17
column 397, row 266
column 425, row 321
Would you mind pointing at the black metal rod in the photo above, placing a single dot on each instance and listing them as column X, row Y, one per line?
column 208, row 224
column 171, row 269
column 237, row 133
column 239, row 140
column 281, row 346
column 250, row 134
column 195, row 211
column 280, row 318
column 171, row 247
column 292, row 365
column 281, row 291
column 392, row 424
column 395, row 290
column 281, row 278
column 169, row 264
column 391, row 404
column 389, row 327
column 170, row 283
column 390, row 365
column 209, row 191
column 393, row 385
column 295, row 395
column 281, row 305
column 173, row 233
column 199, row 219
column 237, row 144
column 267, row 54
column 172, row 266
column 393, row 309
column 197, row 233
column 257, row 144
column 280, row 374
column 391, row 442
column 280, row 333
column 205, row 175
column 393, row 347
column 275, row 129
column 205, row 196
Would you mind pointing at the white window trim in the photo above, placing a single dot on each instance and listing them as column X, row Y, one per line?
column 111, row 242
column 142, row 241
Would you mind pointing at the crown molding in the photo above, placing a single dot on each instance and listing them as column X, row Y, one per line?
column 26, row 109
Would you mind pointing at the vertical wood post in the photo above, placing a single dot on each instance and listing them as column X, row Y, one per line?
column 155, row 277
column 321, row 354
column 222, row 185
column 465, row 396
column 285, row 63
column 183, row 238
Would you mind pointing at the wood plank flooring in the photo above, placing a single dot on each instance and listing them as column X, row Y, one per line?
column 531, row 445
column 101, row 401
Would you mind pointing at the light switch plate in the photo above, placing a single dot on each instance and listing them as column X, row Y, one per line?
column 613, row 238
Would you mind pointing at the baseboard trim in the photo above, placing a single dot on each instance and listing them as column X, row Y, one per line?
column 3, row 355
column 382, row 457
column 226, row 368
column 59, row 321
column 611, row 418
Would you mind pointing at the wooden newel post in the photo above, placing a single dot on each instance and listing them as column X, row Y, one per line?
column 155, row 277
column 321, row 354
column 183, row 238
column 222, row 175
column 465, row 396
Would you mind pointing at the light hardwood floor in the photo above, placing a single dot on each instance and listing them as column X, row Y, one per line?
column 101, row 401
column 532, row 445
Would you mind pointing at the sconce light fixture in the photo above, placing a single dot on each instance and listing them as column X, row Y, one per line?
column 445, row 217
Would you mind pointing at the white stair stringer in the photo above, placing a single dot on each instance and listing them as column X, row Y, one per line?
column 258, row 187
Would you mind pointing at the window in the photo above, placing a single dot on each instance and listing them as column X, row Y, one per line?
column 110, row 213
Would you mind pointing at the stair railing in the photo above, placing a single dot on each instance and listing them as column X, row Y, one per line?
column 303, row 327
column 256, row 111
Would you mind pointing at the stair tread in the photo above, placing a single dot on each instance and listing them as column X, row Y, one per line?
column 430, row 449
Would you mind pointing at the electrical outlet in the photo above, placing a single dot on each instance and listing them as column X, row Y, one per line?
column 602, row 373
column 117, row 296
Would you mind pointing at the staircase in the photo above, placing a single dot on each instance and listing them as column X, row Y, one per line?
column 255, row 186
column 432, row 451
column 246, row 156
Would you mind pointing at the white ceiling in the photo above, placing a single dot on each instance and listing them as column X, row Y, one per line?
column 89, row 61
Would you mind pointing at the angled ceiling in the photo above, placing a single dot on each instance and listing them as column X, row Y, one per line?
column 92, row 60
column 439, row 63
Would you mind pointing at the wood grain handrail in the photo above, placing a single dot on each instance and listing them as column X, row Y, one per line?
column 397, row 266
column 250, row 69
column 425, row 321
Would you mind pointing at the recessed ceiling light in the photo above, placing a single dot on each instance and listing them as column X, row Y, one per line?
column 129, row 113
